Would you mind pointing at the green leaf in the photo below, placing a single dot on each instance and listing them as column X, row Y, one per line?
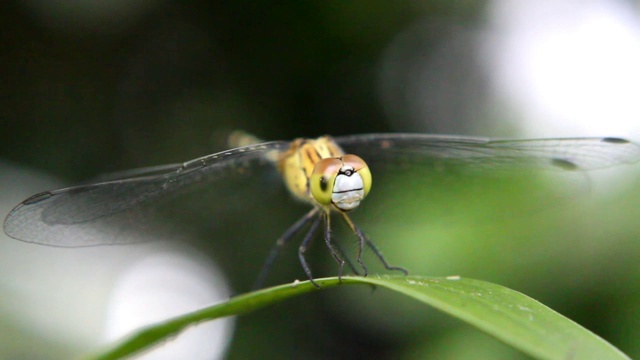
column 508, row 315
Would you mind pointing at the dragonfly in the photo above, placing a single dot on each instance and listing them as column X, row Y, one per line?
column 330, row 174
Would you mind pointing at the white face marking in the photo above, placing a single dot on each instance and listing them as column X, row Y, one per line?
column 348, row 191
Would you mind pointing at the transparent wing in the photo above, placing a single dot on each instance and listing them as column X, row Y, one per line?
column 109, row 211
column 563, row 153
column 124, row 207
column 474, row 185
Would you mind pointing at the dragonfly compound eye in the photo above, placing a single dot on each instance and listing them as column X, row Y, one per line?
column 323, row 179
column 352, row 183
column 343, row 182
column 361, row 168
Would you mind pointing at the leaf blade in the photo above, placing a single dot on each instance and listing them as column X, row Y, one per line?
column 508, row 315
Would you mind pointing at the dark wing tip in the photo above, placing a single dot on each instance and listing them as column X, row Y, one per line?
column 614, row 140
column 564, row 164
column 37, row 198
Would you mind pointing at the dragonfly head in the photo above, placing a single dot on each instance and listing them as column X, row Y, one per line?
column 342, row 182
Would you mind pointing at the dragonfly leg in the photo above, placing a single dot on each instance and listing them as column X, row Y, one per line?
column 365, row 240
column 303, row 248
column 346, row 258
column 384, row 262
column 361, row 241
column 282, row 241
column 327, row 238
column 305, row 245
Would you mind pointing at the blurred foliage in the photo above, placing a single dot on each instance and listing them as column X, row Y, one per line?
column 166, row 82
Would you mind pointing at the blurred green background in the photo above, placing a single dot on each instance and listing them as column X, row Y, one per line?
column 90, row 88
